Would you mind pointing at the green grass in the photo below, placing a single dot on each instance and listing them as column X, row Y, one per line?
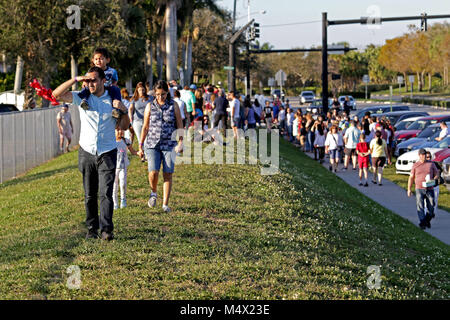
column 402, row 181
column 233, row 234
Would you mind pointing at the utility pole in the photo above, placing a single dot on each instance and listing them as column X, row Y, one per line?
column 324, row 63
column 232, row 60
column 232, row 57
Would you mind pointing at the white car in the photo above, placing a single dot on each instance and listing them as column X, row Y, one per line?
column 405, row 161
column 351, row 100
column 306, row 97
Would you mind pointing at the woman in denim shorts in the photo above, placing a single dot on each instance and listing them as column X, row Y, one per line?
column 161, row 118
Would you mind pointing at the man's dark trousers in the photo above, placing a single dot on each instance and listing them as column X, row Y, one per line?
column 98, row 180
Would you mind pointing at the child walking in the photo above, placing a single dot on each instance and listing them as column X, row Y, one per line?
column 121, row 169
column 363, row 151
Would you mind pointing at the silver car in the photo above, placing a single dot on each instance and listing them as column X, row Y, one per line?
column 306, row 97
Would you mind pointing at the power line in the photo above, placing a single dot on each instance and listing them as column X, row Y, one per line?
column 289, row 24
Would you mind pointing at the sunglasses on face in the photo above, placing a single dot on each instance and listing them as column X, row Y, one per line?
column 90, row 80
column 161, row 95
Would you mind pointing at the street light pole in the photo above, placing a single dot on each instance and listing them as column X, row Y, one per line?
column 232, row 57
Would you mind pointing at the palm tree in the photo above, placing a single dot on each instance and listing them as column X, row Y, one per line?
column 188, row 9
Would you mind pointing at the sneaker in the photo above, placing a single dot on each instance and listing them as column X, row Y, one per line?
column 123, row 203
column 92, row 234
column 166, row 209
column 108, row 236
column 116, row 206
column 330, row 168
column 354, row 169
column 360, row 184
column 428, row 224
column 374, row 182
column 335, row 170
column 84, row 104
column 366, row 184
column 422, row 226
column 380, row 184
column 344, row 169
column 152, row 200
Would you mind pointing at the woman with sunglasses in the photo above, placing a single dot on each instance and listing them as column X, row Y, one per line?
column 161, row 118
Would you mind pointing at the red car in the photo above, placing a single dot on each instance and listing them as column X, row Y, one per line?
column 442, row 155
column 417, row 126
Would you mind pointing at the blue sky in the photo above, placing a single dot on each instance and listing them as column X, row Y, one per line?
column 310, row 34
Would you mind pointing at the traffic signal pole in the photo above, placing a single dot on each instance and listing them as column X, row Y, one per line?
column 363, row 20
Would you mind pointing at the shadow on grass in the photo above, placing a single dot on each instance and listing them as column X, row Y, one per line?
column 59, row 245
column 36, row 176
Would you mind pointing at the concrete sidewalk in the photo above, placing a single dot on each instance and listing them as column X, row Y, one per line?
column 394, row 198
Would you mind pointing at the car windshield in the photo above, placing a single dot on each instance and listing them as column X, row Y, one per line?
column 420, row 124
column 427, row 132
column 307, row 94
column 403, row 125
column 442, row 144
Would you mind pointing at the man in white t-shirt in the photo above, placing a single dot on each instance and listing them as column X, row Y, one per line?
column 181, row 104
column 351, row 139
column 444, row 132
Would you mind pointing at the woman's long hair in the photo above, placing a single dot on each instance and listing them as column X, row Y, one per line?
column 136, row 96
column 125, row 94
column 379, row 140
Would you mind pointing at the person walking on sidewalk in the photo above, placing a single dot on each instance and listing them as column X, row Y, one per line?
column 332, row 143
column 363, row 151
column 379, row 152
column 351, row 138
column 423, row 175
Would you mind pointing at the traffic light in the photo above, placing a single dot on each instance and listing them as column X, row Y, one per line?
column 256, row 30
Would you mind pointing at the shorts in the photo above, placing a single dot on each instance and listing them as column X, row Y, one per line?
column 155, row 156
column 350, row 152
column 66, row 134
column 235, row 122
column 378, row 162
column 334, row 154
column 363, row 162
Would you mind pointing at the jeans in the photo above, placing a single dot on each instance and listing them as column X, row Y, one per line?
column 425, row 197
column 310, row 141
column 98, row 181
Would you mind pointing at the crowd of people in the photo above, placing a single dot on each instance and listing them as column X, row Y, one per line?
column 112, row 118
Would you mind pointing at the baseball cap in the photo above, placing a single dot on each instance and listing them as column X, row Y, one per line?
column 422, row 151
column 193, row 86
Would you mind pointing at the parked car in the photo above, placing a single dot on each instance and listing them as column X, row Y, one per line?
column 306, row 97
column 403, row 124
column 418, row 125
column 397, row 116
column 425, row 139
column 276, row 93
column 352, row 102
column 381, row 109
column 404, row 163
column 7, row 108
column 446, row 170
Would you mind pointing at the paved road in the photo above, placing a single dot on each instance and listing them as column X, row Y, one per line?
column 394, row 198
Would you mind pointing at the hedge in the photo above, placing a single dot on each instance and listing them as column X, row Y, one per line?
column 437, row 103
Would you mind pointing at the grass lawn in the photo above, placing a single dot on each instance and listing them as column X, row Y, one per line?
column 233, row 234
column 402, row 181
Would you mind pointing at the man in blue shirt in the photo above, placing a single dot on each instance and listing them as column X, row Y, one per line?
column 98, row 148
